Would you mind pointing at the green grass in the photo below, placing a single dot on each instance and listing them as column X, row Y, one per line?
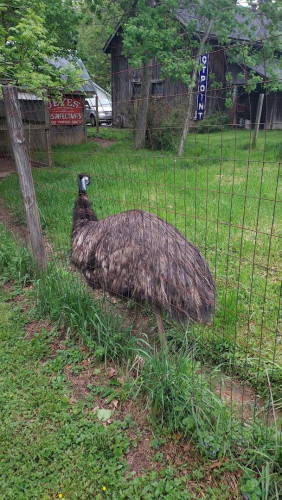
column 53, row 443
column 50, row 447
column 222, row 195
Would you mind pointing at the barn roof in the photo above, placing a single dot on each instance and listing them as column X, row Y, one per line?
column 87, row 84
column 257, row 25
column 243, row 15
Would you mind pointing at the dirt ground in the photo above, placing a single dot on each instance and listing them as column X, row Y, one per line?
column 7, row 166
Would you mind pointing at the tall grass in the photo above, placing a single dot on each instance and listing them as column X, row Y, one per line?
column 63, row 297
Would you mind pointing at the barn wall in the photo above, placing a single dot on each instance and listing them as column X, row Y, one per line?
column 124, row 102
column 32, row 115
column 120, row 80
column 274, row 111
column 217, row 71
column 123, row 78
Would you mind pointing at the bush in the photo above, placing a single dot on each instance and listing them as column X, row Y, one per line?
column 164, row 122
column 213, row 122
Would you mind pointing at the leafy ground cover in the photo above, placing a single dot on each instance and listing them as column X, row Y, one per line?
column 222, row 195
column 75, row 427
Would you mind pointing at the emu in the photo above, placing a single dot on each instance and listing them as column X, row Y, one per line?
column 136, row 254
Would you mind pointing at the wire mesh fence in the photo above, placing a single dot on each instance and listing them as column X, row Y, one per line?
column 221, row 194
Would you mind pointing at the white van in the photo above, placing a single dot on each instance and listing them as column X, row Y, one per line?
column 104, row 110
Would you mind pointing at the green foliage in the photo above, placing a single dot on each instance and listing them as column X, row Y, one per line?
column 180, row 395
column 63, row 298
column 92, row 37
column 163, row 125
column 30, row 33
column 213, row 122
column 251, row 489
column 152, row 31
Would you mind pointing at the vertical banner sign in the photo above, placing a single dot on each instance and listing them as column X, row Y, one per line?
column 202, row 87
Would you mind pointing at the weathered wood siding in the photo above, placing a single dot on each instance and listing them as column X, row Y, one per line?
column 124, row 78
column 34, row 131
column 273, row 106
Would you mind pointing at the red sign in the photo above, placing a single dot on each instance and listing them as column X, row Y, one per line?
column 68, row 111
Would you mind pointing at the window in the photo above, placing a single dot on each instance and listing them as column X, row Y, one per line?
column 156, row 91
column 136, row 89
column 158, row 88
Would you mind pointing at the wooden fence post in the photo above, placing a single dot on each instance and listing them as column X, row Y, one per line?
column 258, row 117
column 97, row 114
column 16, row 132
column 47, row 131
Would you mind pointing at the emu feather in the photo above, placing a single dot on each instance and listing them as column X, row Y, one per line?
column 136, row 254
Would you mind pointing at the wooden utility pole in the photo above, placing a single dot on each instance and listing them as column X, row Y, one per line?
column 16, row 132
column 258, row 117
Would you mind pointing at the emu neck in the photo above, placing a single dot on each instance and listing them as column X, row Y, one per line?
column 82, row 212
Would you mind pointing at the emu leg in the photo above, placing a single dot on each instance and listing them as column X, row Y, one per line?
column 160, row 326
column 137, row 313
column 138, row 309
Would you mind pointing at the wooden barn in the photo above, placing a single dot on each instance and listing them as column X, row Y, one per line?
column 126, row 86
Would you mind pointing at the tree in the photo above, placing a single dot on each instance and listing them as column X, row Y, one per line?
column 98, row 20
column 154, row 31
column 29, row 36
column 150, row 32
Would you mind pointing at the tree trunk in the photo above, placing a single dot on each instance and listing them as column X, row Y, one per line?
column 143, row 104
column 186, row 127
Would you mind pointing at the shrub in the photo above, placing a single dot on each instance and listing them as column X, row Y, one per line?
column 163, row 125
column 213, row 122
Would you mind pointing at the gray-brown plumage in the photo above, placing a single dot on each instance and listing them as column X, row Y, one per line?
column 136, row 254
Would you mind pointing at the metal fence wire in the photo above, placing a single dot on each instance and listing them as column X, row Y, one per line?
column 221, row 194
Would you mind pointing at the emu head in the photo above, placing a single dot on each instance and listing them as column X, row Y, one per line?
column 83, row 180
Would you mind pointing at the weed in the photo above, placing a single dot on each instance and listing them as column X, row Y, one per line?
column 15, row 261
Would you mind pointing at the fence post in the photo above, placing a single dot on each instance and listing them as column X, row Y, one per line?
column 258, row 117
column 97, row 114
column 47, row 131
column 16, row 132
